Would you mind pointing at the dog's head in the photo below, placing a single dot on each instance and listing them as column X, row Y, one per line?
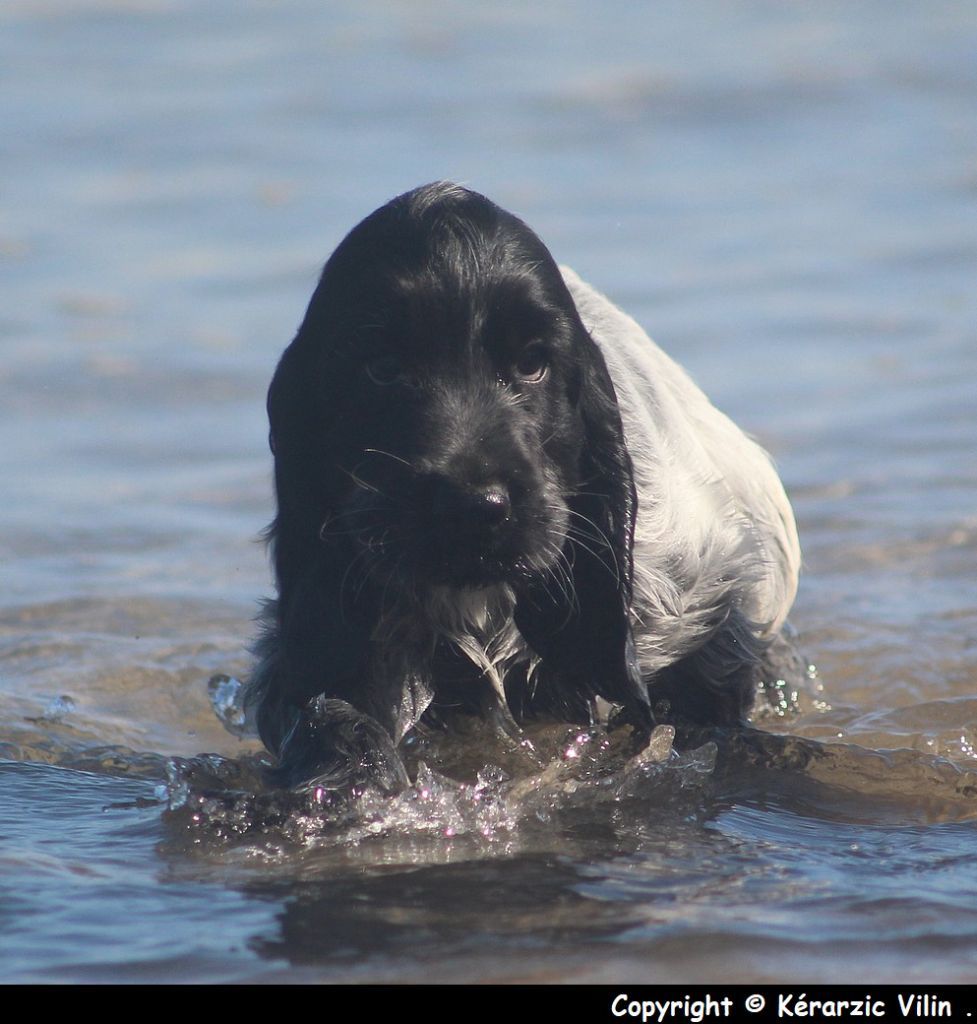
column 443, row 419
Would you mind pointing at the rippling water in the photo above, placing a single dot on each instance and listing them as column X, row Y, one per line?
column 785, row 195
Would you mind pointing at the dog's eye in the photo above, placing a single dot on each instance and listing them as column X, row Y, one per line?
column 384, row 370
column 532, row 363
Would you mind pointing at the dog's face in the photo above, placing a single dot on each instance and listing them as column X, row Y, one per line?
column 455, row 410
column 442, row 397
column 443, row 423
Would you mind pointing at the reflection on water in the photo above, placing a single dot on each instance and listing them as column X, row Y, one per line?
column 784, row 196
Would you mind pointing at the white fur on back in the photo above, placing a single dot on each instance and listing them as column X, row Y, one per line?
column 715, row 530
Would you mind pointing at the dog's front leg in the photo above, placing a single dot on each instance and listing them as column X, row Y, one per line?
column 331, row 714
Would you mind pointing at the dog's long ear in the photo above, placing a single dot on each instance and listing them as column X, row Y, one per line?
column 583, row 632
column 321, row 643
column 289, row 435
column 319, row 632
column 303, row 432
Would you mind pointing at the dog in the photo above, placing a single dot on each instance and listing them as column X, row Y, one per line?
column 497, row 496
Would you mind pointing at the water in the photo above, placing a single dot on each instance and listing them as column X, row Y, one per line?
column 786, row 196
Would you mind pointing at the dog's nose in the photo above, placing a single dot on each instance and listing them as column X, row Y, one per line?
column 481, row 506
column 493, row 504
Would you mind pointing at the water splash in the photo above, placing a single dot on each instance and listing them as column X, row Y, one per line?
column 55, row 711
column 227, row 699
column 58, row 709
column 217, row 801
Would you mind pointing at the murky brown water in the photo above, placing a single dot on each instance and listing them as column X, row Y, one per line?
column 785, row 196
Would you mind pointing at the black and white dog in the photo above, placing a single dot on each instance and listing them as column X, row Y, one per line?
column 497, row 495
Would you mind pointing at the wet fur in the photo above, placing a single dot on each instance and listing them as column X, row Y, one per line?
column 454, row 534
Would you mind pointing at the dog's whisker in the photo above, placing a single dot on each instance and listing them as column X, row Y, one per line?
column 580, row 540
column 390, row 455
column 376, row 566
column 562, row 575
column 354, row 567
column 554, row 583
column 585, row 540
column 394, row 574
column 546, row 440
column 360, row 482
column 373, row 568
column 328, row 532
column 574, row 533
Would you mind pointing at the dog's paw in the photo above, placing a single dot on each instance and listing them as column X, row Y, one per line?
column 335, row 747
